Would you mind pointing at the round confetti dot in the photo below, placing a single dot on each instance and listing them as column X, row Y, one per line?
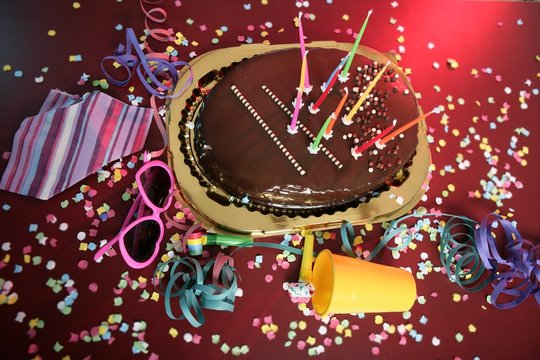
column 268, row 278
column 375, row 350
column 63, row 226
column 81, row 235
column 51, row 32
column 378, row 319
column 50, row 265
column 302, row 325
column 93, row 287
column 83, row 264
column 435, row 341
column 76, row 5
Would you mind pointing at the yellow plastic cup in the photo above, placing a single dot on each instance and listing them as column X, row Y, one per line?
column 346, row 285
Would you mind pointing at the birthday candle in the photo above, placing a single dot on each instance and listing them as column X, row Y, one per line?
column 335, row 114
column 348, row 118
column 344, row 76
column 307, row 86
column 292, row 128
column 314, row 146
column 411, row 123
column 358, row 150
column 339, row 67
column 314, row 108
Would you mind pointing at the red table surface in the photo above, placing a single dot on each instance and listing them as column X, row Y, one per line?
column 500, row 40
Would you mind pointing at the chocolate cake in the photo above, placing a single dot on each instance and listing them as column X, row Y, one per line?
column 234, row 137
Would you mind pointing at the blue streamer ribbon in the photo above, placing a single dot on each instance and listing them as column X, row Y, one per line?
column 189, row 285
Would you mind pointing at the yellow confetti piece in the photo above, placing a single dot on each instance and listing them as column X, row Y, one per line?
column 302, row 306
column 456, row 297
column 339, row 329
column 264, row 2
column 155, row 296
column 348, row 333
column 310, row 340
column 378, row 319
column 369, row 226
column 102, row 329
column 142, row 279
column 76, row 5
column 345, row 17
column 326, row 235
column 455, row 132
column 401, row 39
column 51, row 32
column 26, row 258
column 471, row 328
column 83, row 246
column 451, row 187
column 302, row 325
column 173, row 332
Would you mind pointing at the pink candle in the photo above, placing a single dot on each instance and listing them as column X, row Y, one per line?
column 314, row 108
column 307, row 86
column 358, row 150
column 292, row 128
column 335, row 114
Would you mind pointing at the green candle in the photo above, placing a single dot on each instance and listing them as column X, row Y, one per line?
column 345, row 72
column 314, row 146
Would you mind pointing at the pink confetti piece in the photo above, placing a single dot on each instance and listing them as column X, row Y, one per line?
column 83, row 264
column 93, row 287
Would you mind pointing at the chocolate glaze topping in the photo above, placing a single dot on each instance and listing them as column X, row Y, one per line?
column 231, row 151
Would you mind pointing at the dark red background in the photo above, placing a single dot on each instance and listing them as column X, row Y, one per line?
column 503, row 36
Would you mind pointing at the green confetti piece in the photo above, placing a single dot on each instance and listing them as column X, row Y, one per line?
column 459, row 337
column 338, row 340
column 66, row 310
column 236, row 351
column 57, row 347
column 244, row 349
column 87, row 338
column 345, row 323
column 291, row 335
column 293, row 325
column 118, row 301
column 122, row 284
column 406, row 315
column 36, row 260
column 422, row 300
column 215, row 339
column 145, row 295
column 64, row 204
column 225, row 348
column 312, row 352
column 288, row 343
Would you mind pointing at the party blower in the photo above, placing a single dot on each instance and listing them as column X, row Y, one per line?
column 344, row 285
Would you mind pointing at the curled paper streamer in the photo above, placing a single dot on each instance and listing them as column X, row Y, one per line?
column 188, row 287
column 469, row 253
column 518, row 274
column 153, row 66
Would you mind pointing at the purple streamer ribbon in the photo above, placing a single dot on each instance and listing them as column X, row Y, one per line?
column 519, row 276
column 152, row 66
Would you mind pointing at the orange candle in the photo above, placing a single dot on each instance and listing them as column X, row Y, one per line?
column 411, row 123
column 335, row 114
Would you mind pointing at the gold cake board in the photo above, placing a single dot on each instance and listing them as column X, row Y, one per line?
column 233, row 219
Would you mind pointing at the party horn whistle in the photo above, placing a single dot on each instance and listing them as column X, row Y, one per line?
column 197, row 240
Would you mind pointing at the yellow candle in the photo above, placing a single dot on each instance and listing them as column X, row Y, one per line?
column 408, row 125
column 365, row 94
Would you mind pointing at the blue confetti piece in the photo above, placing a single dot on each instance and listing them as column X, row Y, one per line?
column 64, row 278
column 32, row 228
column 6, row 207
column 92, row 246
column 17, row 269
column 18, row 73
column 124, row 327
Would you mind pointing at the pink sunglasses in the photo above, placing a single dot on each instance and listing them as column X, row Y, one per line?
column 139, row 240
